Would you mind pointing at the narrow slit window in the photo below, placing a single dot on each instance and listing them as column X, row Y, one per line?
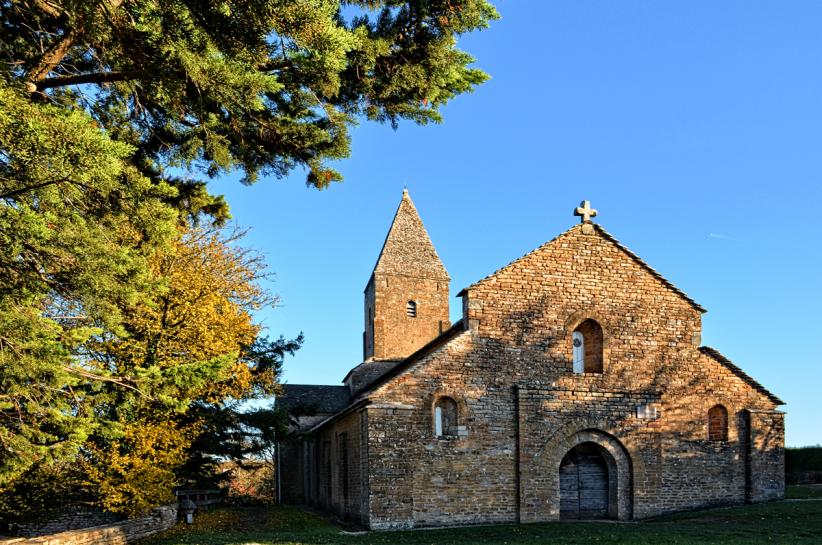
column 411, row 309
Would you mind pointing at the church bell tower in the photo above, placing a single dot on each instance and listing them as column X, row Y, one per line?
column 406, row 299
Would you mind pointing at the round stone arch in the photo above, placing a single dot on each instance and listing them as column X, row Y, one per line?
column 617, row 458
column 575, row 319
column 462, row 410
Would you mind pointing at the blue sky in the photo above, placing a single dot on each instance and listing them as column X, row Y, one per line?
column 695, row 128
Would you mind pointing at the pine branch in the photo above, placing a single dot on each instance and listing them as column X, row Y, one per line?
column 54, row 56
column 92, row 77
column 104, row 378
column 27, row 189
column 49, row 8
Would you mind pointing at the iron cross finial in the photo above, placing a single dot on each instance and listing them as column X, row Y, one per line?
column 585, row 211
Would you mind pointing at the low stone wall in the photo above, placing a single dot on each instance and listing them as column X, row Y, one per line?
column 72, row 518
column 120, row 533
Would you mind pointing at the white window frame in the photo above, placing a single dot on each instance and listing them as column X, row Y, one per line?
column 578, row 352
column 647, row 412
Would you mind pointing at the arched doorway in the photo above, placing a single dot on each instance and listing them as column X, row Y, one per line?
column 587, row 483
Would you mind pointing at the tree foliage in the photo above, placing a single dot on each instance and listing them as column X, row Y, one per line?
column 161, row 393
column 192, row 335
column 195, row 353
column 124, row 313
column 77, row 228
column 137, row 471
column 262, row 86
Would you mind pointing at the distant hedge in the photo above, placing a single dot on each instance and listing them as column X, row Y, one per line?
column 803, row 459
column 803, row 465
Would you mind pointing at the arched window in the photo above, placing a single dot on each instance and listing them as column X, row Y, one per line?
column 445, row 417
column 587, row 347
column 718, row 423
column 411, row 309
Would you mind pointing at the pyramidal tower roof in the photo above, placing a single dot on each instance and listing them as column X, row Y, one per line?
column 408, row 249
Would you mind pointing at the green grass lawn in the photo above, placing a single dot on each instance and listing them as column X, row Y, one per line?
column 792, row 522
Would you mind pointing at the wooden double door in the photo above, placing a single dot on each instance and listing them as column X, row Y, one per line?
column 584, row 483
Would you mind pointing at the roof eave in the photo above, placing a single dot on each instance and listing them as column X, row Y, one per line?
column 334, row 417
column 745, row 377
column 362, row 398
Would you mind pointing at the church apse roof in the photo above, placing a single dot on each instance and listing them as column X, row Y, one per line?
column 407, row 249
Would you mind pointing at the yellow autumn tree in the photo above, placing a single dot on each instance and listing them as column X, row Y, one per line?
column 188, row 353
column 137, row 471
column 197, row 327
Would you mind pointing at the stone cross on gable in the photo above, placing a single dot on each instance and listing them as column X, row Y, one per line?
column 585, row 211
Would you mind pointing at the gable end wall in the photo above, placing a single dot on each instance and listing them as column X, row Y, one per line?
column 520, row 324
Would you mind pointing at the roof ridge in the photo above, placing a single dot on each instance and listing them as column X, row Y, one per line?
column 517, row 260
column 610, row 238
column 717, row 355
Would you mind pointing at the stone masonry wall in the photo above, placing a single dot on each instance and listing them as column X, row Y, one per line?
column 70, row 518
column 159, row 519
column 338, row 462
column 395, row 334
column 292, row 466
column 767, row 456
column 391, row 464
column 518, row 341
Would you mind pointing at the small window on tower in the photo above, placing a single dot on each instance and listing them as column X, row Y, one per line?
column 411, row 309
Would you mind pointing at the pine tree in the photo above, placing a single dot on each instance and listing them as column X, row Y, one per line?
column 113, row 117
column 261, row 86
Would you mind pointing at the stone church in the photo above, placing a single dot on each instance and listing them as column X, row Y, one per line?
column 574, row 386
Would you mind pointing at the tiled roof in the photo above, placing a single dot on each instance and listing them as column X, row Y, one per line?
column 361, row 376
column 609, row 237
column 713, row 353
column 396, row 369
column 314, row 398
column 400, row 366
column 407, row 249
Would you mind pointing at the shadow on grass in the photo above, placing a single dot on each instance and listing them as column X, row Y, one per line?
column 782, row 522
